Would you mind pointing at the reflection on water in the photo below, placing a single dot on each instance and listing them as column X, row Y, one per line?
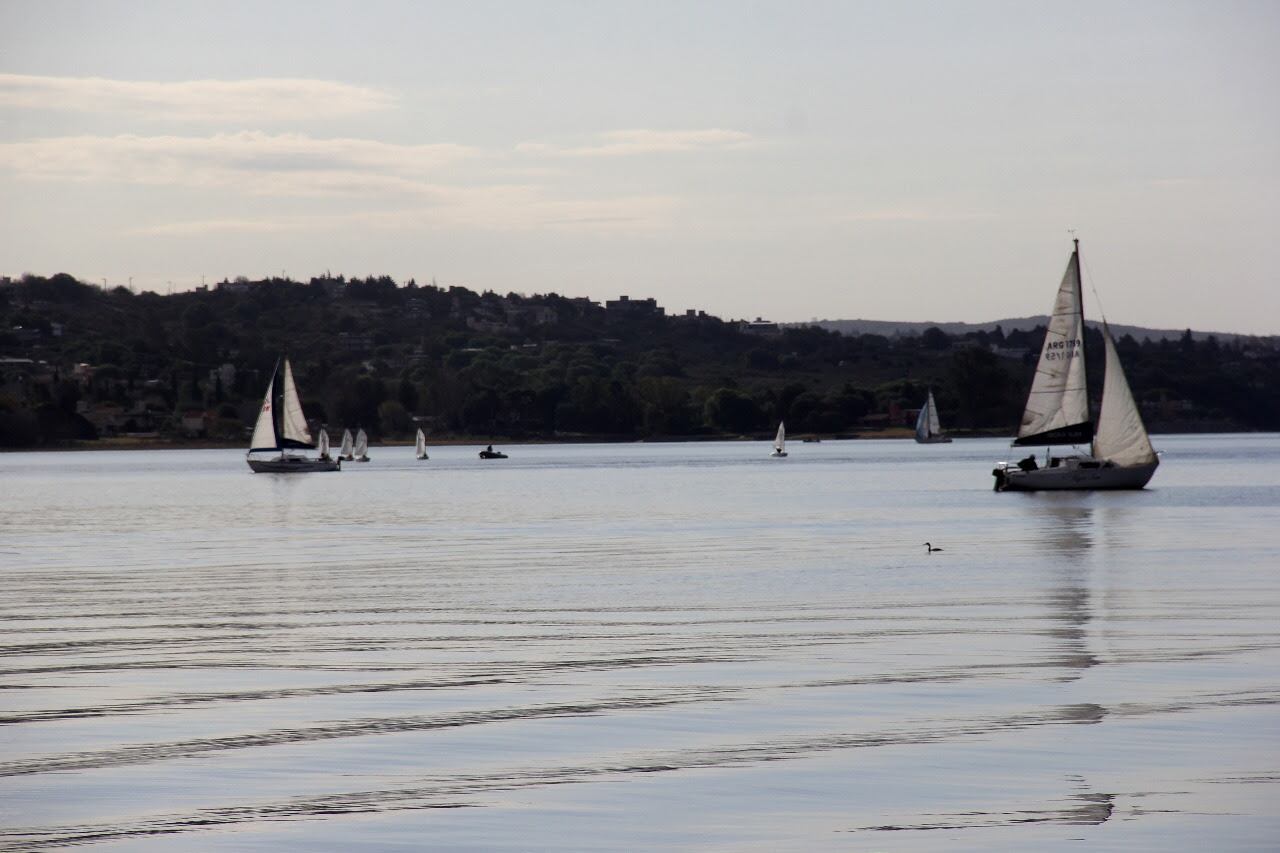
column 1068, row 531
column 643, row 646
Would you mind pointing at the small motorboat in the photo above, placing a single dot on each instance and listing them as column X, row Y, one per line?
column 490, row 453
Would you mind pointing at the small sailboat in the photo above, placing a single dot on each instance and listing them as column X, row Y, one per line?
column 362, row 446
column 344, row 452
column 780, row 441
column 420, row 446
column 1057, row 411
column 323, row 445
column 282, row 429
column 928, row 429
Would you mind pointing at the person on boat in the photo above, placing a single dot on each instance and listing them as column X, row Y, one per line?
column 489, row 449
column 1028, row 464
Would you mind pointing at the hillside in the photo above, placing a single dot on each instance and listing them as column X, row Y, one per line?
column 891, row 328
column 78, row 362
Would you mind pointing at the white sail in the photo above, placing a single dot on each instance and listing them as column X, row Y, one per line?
column 264, row 431
column 323, row 445
column 347, row 443
column 780, row 440
column 293, row 423
column 1121, row 436
column 420, row 446
column 935, row 426
column 927, row 424
column 1059, row 397
column 362, row 444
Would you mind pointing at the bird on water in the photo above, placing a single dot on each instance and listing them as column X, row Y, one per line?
column 930, row 548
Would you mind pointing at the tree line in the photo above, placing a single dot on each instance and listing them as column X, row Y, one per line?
column 373, row 353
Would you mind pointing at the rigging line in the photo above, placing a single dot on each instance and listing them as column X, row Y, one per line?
column 1094, row 291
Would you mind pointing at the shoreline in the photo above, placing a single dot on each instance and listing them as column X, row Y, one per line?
column 158, row 443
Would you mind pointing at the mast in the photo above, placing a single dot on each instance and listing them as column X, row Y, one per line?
column 277, row 403
column 1084, row 327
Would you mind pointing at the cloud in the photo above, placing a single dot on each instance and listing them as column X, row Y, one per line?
column 626, row 143
column 503, row 208
column 899, row 214
column 276, row 99
column 250, row 161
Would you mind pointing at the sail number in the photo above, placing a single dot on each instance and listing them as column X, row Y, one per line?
column 1062, row 350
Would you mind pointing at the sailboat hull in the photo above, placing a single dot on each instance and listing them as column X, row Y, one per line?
column 1075, row 475
column 934, row 439
column 293, row 465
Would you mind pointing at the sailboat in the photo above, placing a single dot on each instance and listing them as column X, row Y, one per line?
column 344, row 452
column 928, row 429
column 282, row 429
column 362, row 446
column 420, row 446
column 780, row 440
column 323, row 445
column 1057, row 411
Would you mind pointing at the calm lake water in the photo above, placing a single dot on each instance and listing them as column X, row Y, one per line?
column 627, row 647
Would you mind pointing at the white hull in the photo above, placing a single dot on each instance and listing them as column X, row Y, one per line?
column 1073, row 474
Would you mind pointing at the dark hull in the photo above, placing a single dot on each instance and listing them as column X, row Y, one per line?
column 492, row 454
column 293, row 465
column 1071, row 478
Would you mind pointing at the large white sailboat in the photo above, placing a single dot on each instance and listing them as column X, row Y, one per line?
column 928, row 428
column 1057, row 411
column 780, row 441
column 282, row 429
column 420, row 446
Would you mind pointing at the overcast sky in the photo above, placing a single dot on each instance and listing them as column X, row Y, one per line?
column 881, row 160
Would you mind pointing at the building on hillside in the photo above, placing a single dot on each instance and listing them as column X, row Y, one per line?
column 534, row 315
column 627, row 305
column 237, row 286
column 762, row 328
column 583, row 305
column 226, row 374
column 194, row 422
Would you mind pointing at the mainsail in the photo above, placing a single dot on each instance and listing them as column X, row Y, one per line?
column 927, row 424
column 420, row 445
column 1121, row 437
column 780, row 440
column 345, row 450
column 362, row 444
column 1057, row 410
column 264, row 431
column 323, row 445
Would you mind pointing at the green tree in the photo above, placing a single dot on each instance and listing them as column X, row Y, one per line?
column 727, row 410
column 394, row 418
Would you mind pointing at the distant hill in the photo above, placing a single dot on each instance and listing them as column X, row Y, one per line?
column 891, row 328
